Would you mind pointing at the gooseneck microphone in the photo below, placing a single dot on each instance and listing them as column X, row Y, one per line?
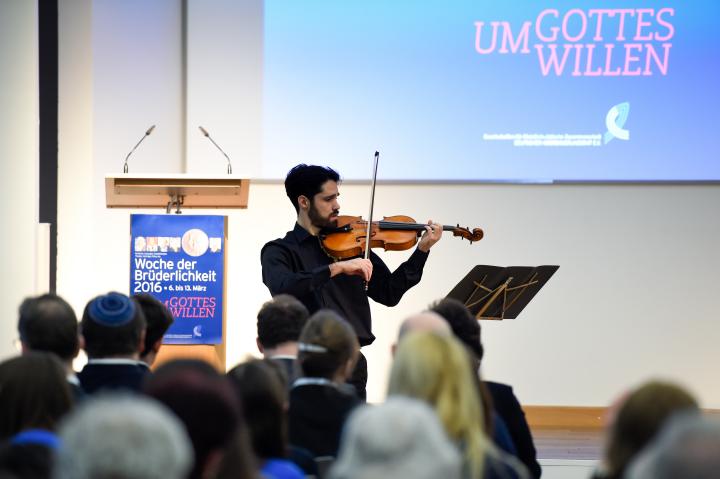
column 147, row 133
column 205, row 132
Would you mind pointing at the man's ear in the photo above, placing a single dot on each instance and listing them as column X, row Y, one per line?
column 349, row 368
column 259, row 346
column 156, row 345
column 80, row 345
column 141, row 343
column 303, row 202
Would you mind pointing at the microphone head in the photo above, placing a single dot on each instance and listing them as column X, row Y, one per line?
column 150, row 130
column 204, row 131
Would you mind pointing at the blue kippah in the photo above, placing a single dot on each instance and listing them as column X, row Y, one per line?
column 112, row 309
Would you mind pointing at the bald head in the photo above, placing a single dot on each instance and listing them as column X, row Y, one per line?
column 426, row 321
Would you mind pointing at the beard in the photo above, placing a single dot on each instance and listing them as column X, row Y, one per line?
column 321, row 221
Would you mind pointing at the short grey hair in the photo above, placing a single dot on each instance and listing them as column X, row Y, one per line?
column 688, row 446
column 123, row 437
column 401, row 438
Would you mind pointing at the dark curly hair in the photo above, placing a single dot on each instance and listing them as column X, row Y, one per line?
column 307, row 180
column 280, row 320
column 157, row 317
column 48, row 323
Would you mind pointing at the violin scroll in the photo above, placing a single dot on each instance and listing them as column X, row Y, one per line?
column 475, row 235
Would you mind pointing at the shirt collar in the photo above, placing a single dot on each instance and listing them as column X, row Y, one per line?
column 118, row 361
column 309, row 381
column 301, row 234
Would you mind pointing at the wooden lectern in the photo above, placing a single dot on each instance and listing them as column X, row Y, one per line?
column 174, row 192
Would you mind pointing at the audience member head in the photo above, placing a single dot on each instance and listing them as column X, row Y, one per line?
column 34, row 393
column 328, row 347
column 436, row 368
column 307, row 180
column 261, row 390
column 424, row 321
column 158, row 319
column 400, row 438
column 463, row 324
column 48, row 323
column 113, row 326
column 687, row 447
column 639, row 418
column 206, row 404
column 123, row 437
column 279, row 323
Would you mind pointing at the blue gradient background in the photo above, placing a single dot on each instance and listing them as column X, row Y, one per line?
column 343, row 78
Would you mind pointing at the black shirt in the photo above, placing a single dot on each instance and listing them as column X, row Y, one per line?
column 316, row 416
column 297, row 265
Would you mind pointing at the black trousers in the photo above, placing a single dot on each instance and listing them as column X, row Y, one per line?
column 359, row 377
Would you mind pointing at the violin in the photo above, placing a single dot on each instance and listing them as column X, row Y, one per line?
column 393, row 233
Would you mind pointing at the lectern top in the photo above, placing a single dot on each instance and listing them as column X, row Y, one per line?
column 192, row 191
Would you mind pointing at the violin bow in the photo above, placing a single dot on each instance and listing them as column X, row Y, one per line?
column 370, row 215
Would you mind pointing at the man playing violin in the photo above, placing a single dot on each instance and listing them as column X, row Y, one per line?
column 298, row 265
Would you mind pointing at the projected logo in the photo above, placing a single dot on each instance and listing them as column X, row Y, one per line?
column 615, row 120
column 197, row 331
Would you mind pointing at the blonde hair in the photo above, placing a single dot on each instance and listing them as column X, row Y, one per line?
column 436, row 368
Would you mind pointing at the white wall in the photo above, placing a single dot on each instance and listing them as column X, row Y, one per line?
column 224, row 85
column 120, row 72
column 634, row 296
column 19, row 152
column 76, row 167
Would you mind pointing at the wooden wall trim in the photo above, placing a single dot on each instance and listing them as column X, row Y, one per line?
column 575, row 417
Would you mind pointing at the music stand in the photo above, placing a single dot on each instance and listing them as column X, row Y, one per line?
column 495, row 292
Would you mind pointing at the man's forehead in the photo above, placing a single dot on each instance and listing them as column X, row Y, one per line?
column 330, row 187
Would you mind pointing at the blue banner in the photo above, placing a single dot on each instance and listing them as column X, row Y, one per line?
column 180, row 261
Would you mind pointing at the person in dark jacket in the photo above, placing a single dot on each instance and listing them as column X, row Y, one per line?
column 279, row 323
column 320, row 401
column 48, row 323
column 114, row 330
